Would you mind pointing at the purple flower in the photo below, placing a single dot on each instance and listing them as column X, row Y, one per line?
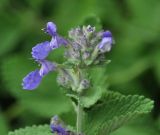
column 107, row 34
column 39, row 53
column 51, row 29
column 57, row 127
column 106, row 43
column 46, row 67
column 56, row 40
column 32, row 80
column 41, row 50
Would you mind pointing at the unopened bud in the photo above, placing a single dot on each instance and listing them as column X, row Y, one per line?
column 84, row 84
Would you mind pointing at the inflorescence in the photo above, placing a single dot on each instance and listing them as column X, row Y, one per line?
column 85, row 47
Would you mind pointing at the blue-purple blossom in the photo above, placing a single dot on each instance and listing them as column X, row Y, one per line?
column 39, row 53
column 56, row 40
column 46, row 67
column 32, row 80
column 83, row 50
column 41, row 50
column 106, row 43
column 107, row 34
column 51, row 29
column 57, row 127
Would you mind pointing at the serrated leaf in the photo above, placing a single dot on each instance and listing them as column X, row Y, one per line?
column 34, row 130
column 46, row 100
column 114, row 111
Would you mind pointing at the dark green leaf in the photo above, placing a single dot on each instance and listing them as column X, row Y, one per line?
column 114, row 111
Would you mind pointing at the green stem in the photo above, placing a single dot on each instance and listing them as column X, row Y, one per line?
column 79, row 117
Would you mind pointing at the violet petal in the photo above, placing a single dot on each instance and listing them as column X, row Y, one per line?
column 32, row 80
column 46, row 67
column 41, row 50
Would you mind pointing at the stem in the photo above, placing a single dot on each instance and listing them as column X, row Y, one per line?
column 79, row 117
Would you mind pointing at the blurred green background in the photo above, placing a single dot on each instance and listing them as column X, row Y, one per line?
column 135, row 66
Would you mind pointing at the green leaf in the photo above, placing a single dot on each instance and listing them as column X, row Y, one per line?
column 46, row 100
column 34, row 130
column 99, row 76
column 92, row 96
column 98, row 89
column 114, row 111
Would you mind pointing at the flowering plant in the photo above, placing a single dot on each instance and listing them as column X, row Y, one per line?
column 99, row 111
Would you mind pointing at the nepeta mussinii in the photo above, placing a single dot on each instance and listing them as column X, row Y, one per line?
column 84, row 48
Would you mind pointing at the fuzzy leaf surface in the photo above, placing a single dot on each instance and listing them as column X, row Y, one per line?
column 114, row 111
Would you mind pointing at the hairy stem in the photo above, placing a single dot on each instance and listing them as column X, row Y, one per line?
column 79, row 117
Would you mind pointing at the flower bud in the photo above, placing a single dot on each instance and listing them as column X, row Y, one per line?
column 86, row 55
column 106, row 43
column 73, row 56
column 88, row 31
column 64, row 79
column 57, row 126
column 84, row 84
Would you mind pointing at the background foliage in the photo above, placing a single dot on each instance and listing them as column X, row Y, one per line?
column 135, row 66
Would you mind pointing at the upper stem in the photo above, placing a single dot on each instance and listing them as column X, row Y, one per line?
column 79, row 117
